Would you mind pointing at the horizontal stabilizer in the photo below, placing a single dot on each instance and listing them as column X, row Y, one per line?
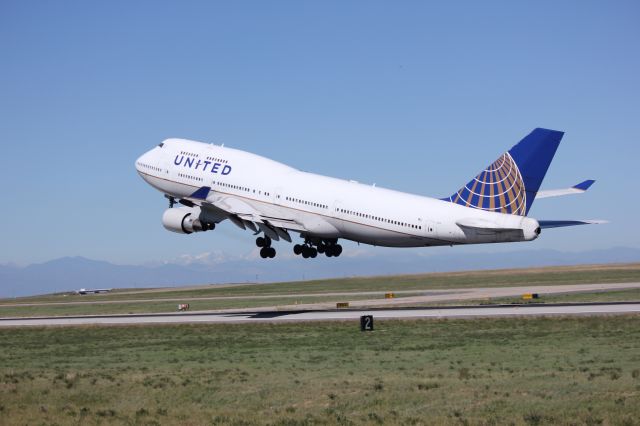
column 576, row 189
column 561, row 223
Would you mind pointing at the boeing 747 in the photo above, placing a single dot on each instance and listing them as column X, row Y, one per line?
column 215, row 183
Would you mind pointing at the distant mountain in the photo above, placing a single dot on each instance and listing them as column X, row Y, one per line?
column 72, row 273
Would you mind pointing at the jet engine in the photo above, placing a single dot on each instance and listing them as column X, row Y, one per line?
column 185, row 220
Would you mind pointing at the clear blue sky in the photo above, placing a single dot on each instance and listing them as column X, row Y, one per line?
column 415, row 96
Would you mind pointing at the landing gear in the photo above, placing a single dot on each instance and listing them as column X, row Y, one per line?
column 333, row 250
column 263, row 242
column 172, row 200
column 309, row 252
column 266, row 250
column 311, row 248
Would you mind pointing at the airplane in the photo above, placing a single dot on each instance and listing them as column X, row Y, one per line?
column 93, row 291
column 215, row 183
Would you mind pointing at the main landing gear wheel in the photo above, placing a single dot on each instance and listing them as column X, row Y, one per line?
column 267, row 252
column 336, row 250
column 307, row 250
column 333, row 250
column 263, row 242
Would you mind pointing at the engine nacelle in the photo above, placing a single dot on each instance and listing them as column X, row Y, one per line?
column 184, row 220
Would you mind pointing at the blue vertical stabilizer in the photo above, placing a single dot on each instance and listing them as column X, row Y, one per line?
column 509, row 184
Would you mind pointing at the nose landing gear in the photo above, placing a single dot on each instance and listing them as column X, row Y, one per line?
column 172, row 200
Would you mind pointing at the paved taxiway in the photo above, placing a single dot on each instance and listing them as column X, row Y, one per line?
column 328, row 315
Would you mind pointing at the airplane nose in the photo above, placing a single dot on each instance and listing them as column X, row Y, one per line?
column 139, row 162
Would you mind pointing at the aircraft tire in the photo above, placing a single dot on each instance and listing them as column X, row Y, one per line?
column 297, row 249
column 338, row 250
column 264, row 252
column 313, row 253
column 260, row 242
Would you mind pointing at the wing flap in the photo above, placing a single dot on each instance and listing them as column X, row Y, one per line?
column 286, row 224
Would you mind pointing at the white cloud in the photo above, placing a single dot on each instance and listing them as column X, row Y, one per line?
column 359, row 252
column 205, row 258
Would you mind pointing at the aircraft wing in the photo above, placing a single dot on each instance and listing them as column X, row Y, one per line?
column 576, row 189
column 243, row 215
column 562, row 223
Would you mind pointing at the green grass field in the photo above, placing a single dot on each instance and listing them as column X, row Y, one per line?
column 493, row 371
column 601, row 296
column 583, row 274
column 157, row 306
column 630, row 295
column 280, row 294
column 201, row 305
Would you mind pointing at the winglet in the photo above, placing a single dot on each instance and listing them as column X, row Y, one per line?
column 583, row 186
column 201, row 193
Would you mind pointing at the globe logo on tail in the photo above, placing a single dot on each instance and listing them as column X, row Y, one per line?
column 499, row 188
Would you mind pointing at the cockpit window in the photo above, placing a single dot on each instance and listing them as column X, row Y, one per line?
column 161, row 144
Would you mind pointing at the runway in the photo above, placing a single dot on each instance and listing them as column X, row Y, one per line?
column 405, row 297
column 334, row 315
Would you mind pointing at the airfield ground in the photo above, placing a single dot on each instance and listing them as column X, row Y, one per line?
column 578, row 370
column 416, row 290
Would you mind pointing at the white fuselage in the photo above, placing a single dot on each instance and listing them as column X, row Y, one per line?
column 327, row 207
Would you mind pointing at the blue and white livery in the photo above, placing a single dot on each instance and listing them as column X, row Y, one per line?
column 216, row 183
